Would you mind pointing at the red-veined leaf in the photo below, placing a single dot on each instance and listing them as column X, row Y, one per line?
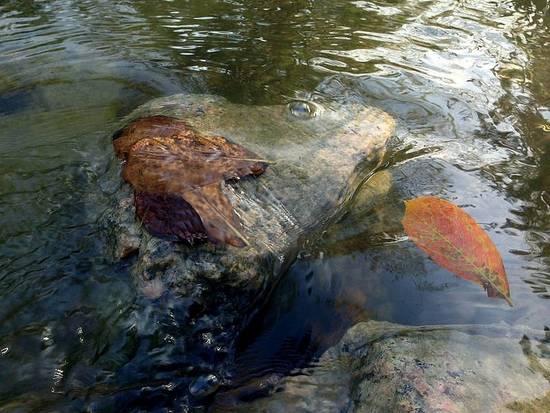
column 456, row 242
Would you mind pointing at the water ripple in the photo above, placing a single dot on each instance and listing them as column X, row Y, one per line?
column 467, row 81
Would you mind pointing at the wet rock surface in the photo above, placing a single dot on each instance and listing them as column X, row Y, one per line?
column 384, row 367
column 314, row 161
column 314, row 164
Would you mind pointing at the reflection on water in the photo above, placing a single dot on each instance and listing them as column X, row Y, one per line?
column 468, row 83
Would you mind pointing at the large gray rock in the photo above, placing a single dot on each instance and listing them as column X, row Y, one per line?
column 315, row 148
column 383, row 367
column 319, row 152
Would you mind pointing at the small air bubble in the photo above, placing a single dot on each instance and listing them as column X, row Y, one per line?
column 80, row 333
column 302, row 109
column 204, row 385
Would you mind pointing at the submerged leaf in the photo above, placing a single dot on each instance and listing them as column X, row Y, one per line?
column 455, row 241
column 177, row 175
column 151, row 126
column 169, row 216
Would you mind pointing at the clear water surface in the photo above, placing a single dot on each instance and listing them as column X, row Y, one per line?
column 468, row 82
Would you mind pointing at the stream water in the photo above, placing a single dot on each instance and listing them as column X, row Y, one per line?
column 468, row 82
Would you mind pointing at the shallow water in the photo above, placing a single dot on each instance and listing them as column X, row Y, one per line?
column 467, row 81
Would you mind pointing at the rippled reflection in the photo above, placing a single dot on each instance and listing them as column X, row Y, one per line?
column 468, row 82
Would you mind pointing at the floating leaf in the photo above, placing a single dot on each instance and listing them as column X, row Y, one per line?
column 455, row 241
column 177, row 175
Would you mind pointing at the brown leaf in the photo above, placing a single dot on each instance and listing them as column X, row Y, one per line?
column 455, row 241
column 217, row 214
column 169, row 216
column 157, row 126
column 173, row 168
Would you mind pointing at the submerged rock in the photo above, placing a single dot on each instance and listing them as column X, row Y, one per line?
column 316, row 159
column 384, row 367
column 314, row 162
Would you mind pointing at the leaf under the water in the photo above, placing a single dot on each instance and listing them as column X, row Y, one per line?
column 177, row 175
column 455, row 241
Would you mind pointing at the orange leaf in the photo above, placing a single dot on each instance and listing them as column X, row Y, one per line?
column 455, row 241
